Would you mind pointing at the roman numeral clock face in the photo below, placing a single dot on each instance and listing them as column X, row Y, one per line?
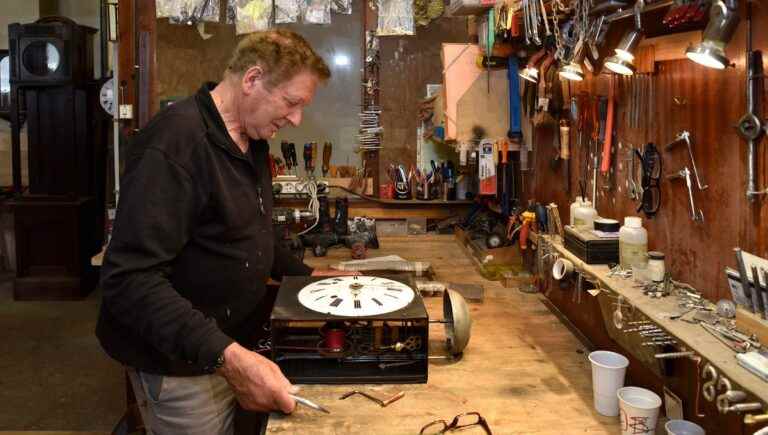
column 353, row 296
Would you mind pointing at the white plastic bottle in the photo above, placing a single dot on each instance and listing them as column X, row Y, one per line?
column 584, row 216
column 575, row 204
column 633, row 243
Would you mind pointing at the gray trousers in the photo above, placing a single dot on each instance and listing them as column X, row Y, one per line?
column 189, row 405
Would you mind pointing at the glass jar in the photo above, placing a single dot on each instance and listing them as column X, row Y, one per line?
column 656, row 268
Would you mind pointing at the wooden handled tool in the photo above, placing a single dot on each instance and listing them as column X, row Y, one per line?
column 327, row 151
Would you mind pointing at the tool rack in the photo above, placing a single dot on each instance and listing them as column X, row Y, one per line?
column 690, row 337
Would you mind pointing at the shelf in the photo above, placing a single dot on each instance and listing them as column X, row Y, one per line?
column 691, row 336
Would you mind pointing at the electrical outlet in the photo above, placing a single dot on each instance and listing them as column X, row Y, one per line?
column 126, row 111
column 297, row 187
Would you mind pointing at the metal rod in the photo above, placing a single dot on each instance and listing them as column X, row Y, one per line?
column 625, row 13
column 674, row 355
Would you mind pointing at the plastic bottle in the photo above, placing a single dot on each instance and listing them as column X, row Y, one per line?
column 584, row 216
column 633, row 243
column 575, row 204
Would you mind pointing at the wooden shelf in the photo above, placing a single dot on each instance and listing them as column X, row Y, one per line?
column 693, row 337
column 432, row 203
column 391, row 208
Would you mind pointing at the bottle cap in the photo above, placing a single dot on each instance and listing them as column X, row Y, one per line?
column 655, row 255
column 633, row 222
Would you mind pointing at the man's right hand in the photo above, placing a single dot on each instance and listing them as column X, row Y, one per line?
column 258, row 383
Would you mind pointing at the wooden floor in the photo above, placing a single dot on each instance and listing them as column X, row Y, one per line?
column 522, row 370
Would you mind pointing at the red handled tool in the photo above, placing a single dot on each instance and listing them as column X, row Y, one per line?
column 608, row 141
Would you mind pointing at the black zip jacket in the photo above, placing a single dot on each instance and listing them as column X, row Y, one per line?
column 192, row 247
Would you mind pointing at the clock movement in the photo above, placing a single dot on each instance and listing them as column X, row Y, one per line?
column 359, row 329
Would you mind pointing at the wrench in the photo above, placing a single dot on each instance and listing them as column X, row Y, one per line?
column 696, row 214
column 685, row 136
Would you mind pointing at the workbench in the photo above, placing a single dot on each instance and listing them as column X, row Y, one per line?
column 690, row 336
column 522, row 370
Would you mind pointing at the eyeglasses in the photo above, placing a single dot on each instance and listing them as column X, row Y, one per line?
column 650, row 163
column 461, row 421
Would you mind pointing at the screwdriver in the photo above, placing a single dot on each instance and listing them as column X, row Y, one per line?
column 308, row 158
column 327, row 151
column 309, row 404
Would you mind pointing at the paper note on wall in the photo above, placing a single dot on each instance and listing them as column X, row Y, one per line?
column 459, row 73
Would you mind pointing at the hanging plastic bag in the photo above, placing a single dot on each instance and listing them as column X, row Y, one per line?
column 288, row 11
column 341, row 6
column 395, row 17
column 188, row 11
column 251, row 15
column 318, row 12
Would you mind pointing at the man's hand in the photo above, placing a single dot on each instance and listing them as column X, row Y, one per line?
column 258, row 383
column 331, row 272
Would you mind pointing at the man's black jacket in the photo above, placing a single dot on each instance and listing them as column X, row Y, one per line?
column 185, row 272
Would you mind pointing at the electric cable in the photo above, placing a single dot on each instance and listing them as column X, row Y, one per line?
column 314, row 204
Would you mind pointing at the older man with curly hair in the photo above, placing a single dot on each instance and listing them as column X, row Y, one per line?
column 184, row 277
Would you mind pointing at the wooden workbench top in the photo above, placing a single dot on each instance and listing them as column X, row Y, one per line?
column 522, row 370
column 659, row 310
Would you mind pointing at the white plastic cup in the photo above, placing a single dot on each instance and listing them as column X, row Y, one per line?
column 638, row 410
column 683, row 427
column 562, row 268
column 608, row 370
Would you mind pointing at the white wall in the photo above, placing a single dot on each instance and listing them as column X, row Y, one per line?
column 16, row 11
column 86, row 13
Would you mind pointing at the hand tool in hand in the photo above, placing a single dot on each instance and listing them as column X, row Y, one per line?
column 309, row 404
column 327, row 151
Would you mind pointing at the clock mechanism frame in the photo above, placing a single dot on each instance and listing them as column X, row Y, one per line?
column 313, row 347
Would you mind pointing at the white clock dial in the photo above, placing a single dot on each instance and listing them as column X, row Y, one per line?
column 354, row 296
column 107, row 96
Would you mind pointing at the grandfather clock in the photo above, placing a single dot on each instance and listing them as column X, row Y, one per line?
column 59, row 217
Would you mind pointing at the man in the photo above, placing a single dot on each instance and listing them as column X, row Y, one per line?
column 184, row 277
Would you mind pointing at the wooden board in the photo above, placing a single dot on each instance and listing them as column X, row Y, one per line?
column 522, row 370
column 692, row 336
column 459, row 73
column 486, row 104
